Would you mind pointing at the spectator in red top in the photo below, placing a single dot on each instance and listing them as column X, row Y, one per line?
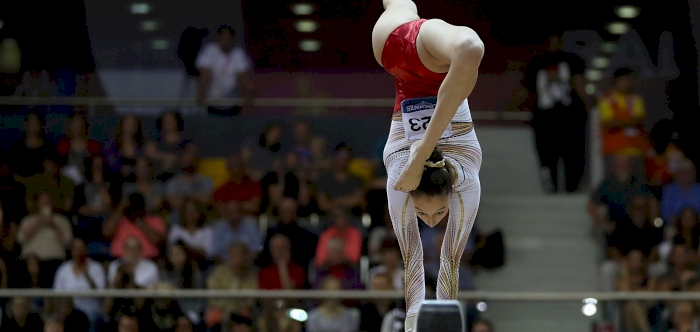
column 240, row 187
column 132, row 220
column 341, row 229
column 282, row 273
column 77, row 147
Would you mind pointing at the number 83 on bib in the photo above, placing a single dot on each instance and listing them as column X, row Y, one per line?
column 417, row 113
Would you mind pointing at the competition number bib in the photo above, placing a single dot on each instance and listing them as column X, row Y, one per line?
column 417, row 113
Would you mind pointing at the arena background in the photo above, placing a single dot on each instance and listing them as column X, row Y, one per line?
column 97, row 49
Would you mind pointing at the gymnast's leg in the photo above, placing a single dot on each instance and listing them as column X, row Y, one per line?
column 403, row 218
column 396, row 12
column 464, row 205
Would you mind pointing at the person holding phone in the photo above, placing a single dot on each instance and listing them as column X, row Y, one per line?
column 45, row 234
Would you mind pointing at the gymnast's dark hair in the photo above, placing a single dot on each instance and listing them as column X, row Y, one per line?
column 438, row 176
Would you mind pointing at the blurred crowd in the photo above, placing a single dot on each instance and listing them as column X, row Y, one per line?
column 645, row 214
column 137, row 212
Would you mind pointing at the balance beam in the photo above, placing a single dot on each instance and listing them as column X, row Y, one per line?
column 440, row 316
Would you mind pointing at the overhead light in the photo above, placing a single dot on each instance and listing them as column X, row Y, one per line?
column 617, row 28
column 627, row 11
column 589, row 309
column 306, row 25
column 309, row 45
column 149, row 25
column 593, row 75
column 481, row 306
column 2, row 24
column 141, row 8
column 608, row 47
column 303, row 8
column 601, row 62
column 160, row 44
column 590, row 89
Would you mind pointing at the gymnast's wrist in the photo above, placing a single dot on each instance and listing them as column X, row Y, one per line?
column 423, row 150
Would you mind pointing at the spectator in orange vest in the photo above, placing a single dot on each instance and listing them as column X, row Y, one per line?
column 622, row 118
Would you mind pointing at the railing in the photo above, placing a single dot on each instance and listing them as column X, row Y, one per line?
column 92, row 102
column 358, row 295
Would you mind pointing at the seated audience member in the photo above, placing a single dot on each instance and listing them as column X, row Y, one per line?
column 687, row 229
column 165, row 151
column 77, row 147
column 303, row 241
column 81, row 273
column 189, row 182
column 126, row 148
column 233, row 227
column 319, row 163
column 482, row 325
column 338, row 189
column 374, row 311
column 182, row 272
column 684, row 318
column 262, row 153
column 93, row 202
column 391, row 264
column 238, row 323
column 282, row 273
column 239, row 187
column 9, row 221
column 151, row 189
column 290, row 180
column 129, row 322
column 160, row 314
column 341, row 229
column 192, row 231
column 635, row 277
column 184, row 324
column 72, row 319
column 336, row 265
column 13, row 194
column 637, row 231
column 615, row 193
column 132, row 220
column 53, row 323
column 274, row 317
column 143, row 271
column 20, row 317
column 683, row 192
column 27, row 155
column 301, row 147
column 45, row 234
column 237, row 273
column 662, row 157
column 432, row 239
column 332, row 315
column 377, row 236
column 59, row 187
column 680, row 269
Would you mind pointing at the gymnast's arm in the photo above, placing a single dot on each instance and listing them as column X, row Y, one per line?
column 464, row 57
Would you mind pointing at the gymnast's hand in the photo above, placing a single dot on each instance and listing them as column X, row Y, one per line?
column 413, row 171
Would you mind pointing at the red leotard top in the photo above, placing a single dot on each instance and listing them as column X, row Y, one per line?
column 400, row 59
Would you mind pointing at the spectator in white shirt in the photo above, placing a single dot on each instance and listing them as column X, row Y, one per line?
column 81, row 273
column 191, row 231
column 144, row 271
column 224, row 72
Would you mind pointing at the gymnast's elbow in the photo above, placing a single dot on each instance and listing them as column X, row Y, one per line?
column 469, row 48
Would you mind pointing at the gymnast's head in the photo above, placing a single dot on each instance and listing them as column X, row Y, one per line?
column 431, row 199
